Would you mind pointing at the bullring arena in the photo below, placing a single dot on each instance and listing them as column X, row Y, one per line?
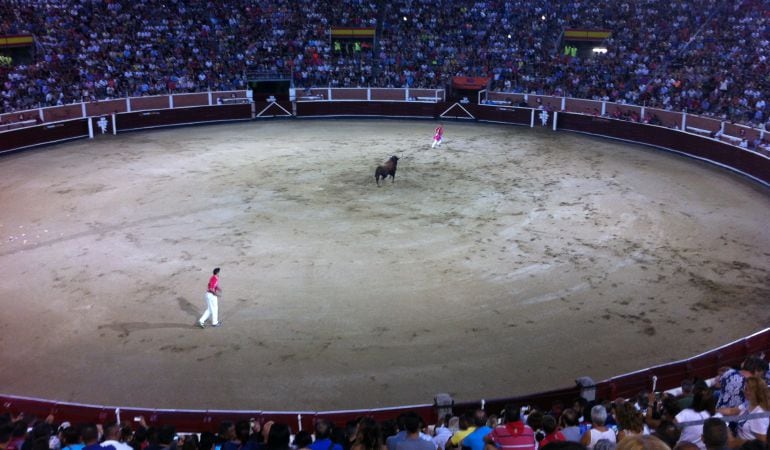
column 507, row 261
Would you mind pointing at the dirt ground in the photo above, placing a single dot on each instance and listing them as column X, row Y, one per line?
column 508, row 261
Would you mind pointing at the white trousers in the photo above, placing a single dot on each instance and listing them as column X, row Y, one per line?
column 212, row 309
column 435, row 143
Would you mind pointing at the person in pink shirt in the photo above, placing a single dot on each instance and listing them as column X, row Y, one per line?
column 438, row 136
column 213, row 291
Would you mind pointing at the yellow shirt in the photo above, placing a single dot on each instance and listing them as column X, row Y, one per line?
column 460, row 435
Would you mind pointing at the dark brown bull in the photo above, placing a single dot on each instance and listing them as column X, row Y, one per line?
column 387, row 169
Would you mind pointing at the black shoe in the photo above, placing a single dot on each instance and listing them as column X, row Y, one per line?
column 201, row 325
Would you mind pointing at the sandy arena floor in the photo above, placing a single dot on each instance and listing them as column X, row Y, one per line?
column 508, row 261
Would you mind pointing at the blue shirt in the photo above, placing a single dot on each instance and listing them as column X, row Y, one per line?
column 475, row 440
column 324, row 444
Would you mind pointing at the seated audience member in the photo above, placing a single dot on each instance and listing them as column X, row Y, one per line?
column 684, row 400
column 112, row 437
column 368, row 436
column 127, row 434
column 755, row 444
column 475, row 439
column 40, row 436
column 165, row 438
column 139, row 439
column 685, row 445
column 668, row 432
column 188, row 442
column 206, row 441
column 393, row 440
column 757, row 397
column 703, row 407
column 663, row 409
column 70, row 439
column 90, row 436
column 598, row 429
column 226, row 437
column 715, row 434
column 323, row 436
column 442, row 432
column 551, row 430
column 731, row 382
column 569, row 425
column 18, row 435
column 302, row 440
column 242, row 437
column 642, row 443
column 630, row 421
column 535, row 421
column 413, row 439
column 605, row 444
column 278, row 437
column 466, row 427
column 513, row 434
column 563, row 445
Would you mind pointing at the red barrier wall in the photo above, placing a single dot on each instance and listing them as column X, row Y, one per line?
column 43, row 134
column 749, row 163
column 181, row 116
column 147, row 103
column 198, row 99
column 66, row 112
column 106, row 107
column 359, row 109
column 516, row 116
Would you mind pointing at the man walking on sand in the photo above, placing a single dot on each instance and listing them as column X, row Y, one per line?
column 212, row 301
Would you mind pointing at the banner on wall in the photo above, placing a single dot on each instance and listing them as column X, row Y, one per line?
column 476, row 83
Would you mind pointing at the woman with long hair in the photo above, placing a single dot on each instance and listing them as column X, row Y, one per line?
column 368, row 436
column 278, row 437
column 630, row 421
column 757, row 401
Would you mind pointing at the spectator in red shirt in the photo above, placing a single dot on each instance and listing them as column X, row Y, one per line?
column 514, row 434
column 552, row 433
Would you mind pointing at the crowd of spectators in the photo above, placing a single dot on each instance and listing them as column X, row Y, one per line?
column 709, row 58
column 698, row 416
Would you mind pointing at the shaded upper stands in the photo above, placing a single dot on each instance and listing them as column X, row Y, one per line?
column 101, row 49
column 709, row 59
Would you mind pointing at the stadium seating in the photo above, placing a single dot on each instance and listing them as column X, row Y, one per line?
column 707, row 60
